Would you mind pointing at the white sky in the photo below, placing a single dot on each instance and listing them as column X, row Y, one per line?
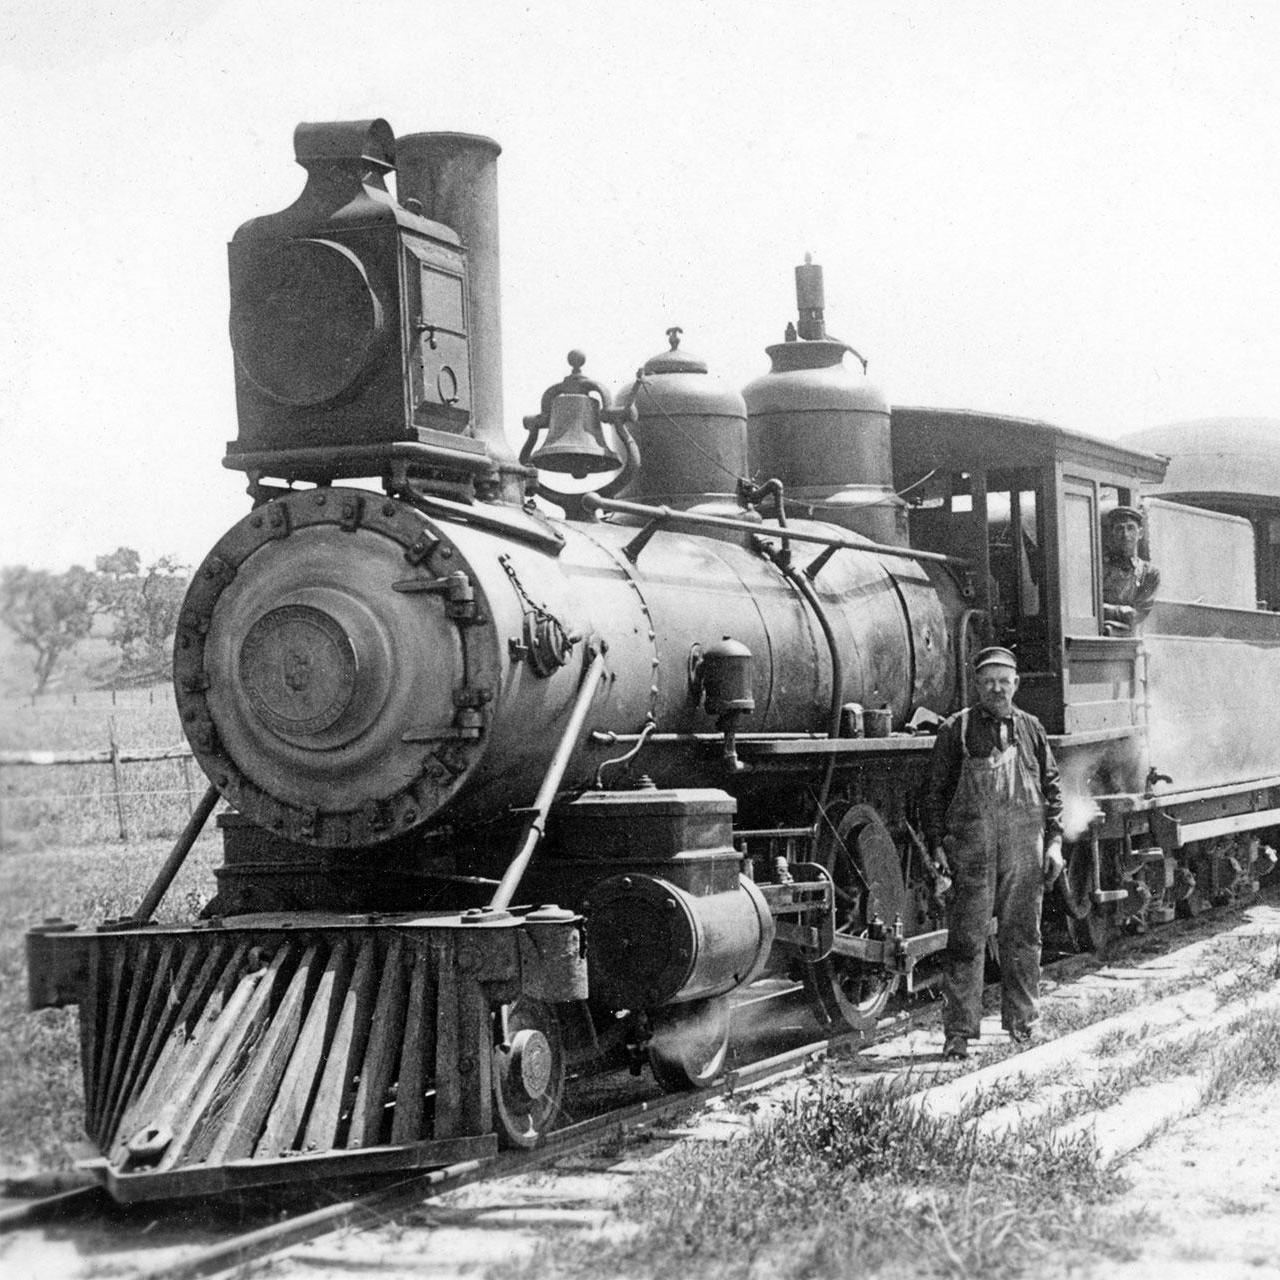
column 1067, row 211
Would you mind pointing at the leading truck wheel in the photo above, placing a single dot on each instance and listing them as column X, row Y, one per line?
column 528, row 1073
column 690, row 1044
column 849, row 994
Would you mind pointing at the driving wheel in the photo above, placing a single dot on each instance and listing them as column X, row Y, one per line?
column 850, row 994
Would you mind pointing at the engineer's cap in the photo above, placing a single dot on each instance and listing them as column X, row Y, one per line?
column 1122, row 513
column 995, row 656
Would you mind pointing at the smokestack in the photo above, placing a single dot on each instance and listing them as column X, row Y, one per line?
column 454, row 176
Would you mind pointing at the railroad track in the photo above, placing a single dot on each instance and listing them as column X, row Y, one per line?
column 99, row 1215
column 87, row 1216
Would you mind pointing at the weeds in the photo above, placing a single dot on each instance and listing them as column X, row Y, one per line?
column 1062, row 1019
column 1119, row 1040
column 837, row 1183
column 1258, row 973
column 1003, row 1093
column 41, row 1101
column 1252, row 1054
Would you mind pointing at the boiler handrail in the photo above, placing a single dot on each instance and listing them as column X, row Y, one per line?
column 696, row 519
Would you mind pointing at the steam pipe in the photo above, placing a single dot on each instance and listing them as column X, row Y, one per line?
column 755, row 496
column 454, row 176
column 693, row 519
column 514, row 873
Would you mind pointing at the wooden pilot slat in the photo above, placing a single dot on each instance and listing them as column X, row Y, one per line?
column 406, row 1124
column 159, row 1084
column 163, row 1009
column 139, row 960
column 90, row 1014
column 346, row 1049
column 448, row 1085
column 109, row 1043
column 475, row 1047
column 256, row 1088
column 382, row 1053
column 143, row 1035
column 289, row 1112
column 240, row 1027
column 188, row 1082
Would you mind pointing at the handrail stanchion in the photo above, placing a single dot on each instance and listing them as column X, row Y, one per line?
column 514, row 873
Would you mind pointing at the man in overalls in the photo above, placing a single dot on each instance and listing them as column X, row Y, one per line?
column 993, row 818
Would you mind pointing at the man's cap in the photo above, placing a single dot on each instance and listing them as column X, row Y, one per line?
column 995, row 656
column 1123, row 513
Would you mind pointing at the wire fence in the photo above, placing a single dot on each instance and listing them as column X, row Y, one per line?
column 87, row 700
column 82, row 797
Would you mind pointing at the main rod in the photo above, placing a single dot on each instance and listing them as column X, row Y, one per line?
column 695, row 519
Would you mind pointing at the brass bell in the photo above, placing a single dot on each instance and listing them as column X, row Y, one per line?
column 575, row 440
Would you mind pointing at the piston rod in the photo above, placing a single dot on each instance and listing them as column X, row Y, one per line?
column 514, row 873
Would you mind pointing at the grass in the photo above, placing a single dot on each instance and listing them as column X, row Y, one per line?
column 46, row 806
column 40, row 1091
column 61, row 855
column 859, row 1181
column 1252, row 1054
column 850, row 1181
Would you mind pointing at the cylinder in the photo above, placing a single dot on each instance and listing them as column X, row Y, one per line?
column 653, row 943
column 455, row 178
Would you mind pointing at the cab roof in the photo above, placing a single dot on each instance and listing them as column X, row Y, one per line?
column 924, row 437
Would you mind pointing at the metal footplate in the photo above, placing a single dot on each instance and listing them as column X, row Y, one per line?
column 262, row 1049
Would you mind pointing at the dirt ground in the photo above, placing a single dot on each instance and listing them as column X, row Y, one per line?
column 1211, row 1188
column 1203, row 1199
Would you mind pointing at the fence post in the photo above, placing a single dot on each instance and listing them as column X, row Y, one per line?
column 115, row 774
column 186, row 782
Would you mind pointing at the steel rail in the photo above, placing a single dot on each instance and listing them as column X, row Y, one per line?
column 62, row 1204
column 228, row 1257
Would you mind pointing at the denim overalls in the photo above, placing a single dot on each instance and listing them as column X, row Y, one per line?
column 995, row 827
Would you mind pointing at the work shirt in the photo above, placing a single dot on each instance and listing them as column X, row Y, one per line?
column 1022, row 730
column 1133, row 582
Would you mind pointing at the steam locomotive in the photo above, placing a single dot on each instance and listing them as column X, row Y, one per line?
column 529, row 759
